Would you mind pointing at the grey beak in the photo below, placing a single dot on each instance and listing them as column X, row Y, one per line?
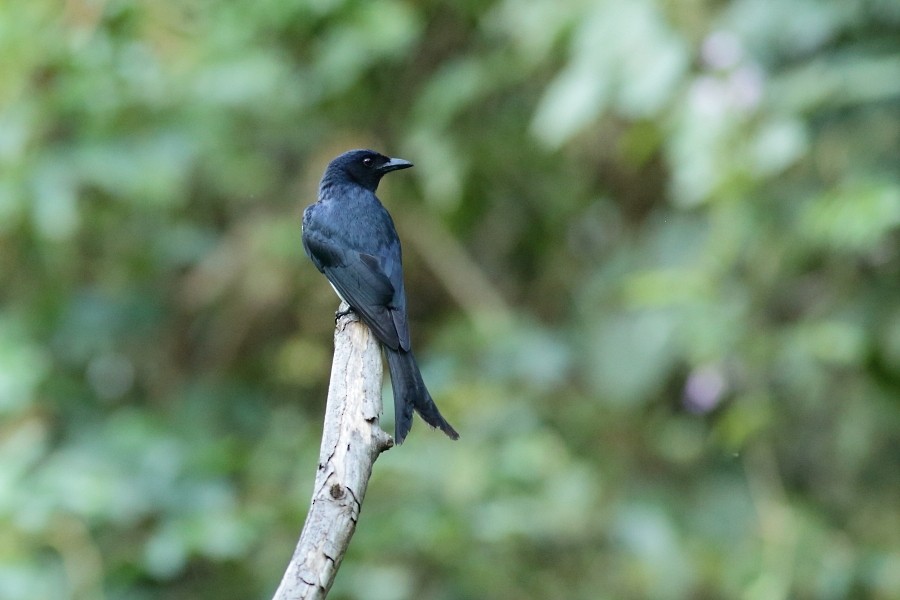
column 394, row 164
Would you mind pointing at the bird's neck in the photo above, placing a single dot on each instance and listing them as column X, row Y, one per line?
column 326, row 185
column 336, row 184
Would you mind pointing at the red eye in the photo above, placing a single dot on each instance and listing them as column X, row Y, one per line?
column 367, row 161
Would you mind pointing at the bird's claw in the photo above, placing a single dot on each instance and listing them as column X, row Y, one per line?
column 341, row 313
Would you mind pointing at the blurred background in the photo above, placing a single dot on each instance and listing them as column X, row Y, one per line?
column 653, row 258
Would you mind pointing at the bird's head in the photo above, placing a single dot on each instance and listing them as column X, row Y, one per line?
column 365, row 167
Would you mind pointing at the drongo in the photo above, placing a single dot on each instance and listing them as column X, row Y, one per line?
column 351, row 239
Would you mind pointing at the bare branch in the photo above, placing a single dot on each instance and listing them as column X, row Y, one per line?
column 351, row 441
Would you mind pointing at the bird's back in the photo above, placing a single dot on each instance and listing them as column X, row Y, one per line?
column 351, row 238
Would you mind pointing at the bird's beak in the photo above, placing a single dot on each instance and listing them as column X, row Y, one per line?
column 394, row 164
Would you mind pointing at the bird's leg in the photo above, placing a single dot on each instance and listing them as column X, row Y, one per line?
column 342, row 313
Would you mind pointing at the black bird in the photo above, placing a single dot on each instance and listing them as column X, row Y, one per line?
column 351, row 239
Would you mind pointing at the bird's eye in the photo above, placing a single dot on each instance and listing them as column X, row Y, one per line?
column 367, row 161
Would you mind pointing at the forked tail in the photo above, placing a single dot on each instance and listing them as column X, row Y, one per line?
column 411, row 394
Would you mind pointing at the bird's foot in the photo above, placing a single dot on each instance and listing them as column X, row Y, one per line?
column 341, row 313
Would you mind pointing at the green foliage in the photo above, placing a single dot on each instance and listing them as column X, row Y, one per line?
column 653, row 259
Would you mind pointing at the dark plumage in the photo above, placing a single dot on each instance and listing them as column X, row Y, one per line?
column 351, row 239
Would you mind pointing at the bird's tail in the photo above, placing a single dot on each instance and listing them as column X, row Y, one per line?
column 411, row 394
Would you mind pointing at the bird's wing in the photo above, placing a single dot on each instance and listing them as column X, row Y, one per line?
column 398, row 312
column 361, row 281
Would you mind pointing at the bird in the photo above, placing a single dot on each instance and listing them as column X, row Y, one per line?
column 351, row 239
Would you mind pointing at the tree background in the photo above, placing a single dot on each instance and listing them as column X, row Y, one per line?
column 653, row 258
